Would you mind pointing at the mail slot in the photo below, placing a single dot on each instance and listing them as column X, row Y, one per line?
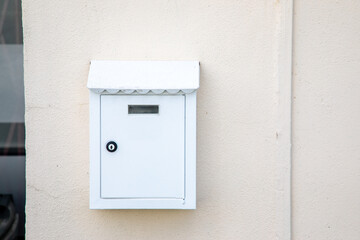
column 143, row 109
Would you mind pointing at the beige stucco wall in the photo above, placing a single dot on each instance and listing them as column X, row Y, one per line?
column 326, row 120
column 236, row 45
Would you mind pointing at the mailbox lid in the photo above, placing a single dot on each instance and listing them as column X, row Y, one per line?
column 113, row 76
column 150, row 156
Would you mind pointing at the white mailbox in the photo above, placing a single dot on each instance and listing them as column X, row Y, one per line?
column 143, row 134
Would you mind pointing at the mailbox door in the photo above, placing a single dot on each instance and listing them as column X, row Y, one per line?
column 149, row 134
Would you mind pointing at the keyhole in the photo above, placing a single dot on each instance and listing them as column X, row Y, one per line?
column 111, row 146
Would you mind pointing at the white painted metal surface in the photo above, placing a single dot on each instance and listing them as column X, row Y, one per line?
column 130, row 76
column 149, row 161
column 154, row 165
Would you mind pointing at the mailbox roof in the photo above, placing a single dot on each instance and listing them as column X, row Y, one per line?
column 143, row 76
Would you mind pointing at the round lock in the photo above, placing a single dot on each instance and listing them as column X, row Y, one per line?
column 111, row 146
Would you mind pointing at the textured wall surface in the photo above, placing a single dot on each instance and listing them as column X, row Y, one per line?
column 235, row 41
column 237, row 45
column 326, row 120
